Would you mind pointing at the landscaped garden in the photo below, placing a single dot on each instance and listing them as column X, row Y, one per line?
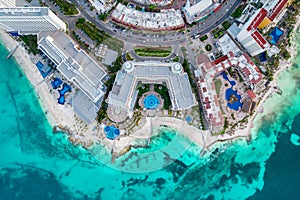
column 208, row 47
column 142, row 88
column 31, row 42
column 153, row 51
column 164, row 93
column 217, row 33
column 203, row 38
column 66, row 7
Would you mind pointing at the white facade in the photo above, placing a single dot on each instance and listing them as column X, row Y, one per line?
column 250, row 38
column 75, row 64
column 103, row 5
column 123, row 95
column 30, row 20
column 7, row 3
column 169, row 19
column 198, row 10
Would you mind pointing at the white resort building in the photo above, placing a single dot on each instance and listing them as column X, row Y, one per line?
column 30, row 20
column 199, row 10
column 103, row 5
column 249, row 36
column 169, row 19
column 121, row 100
column 74, row 64
column 79, row 68
column 7, row 3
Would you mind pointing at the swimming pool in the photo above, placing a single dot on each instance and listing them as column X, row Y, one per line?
column 275, row 35
column 235, row 104
column 224, row 75
column 45, row 70
column 66, row 88
column 61, row 99
column 188, row 118
column 111, row 132
column 56, row 82
column 151, row 102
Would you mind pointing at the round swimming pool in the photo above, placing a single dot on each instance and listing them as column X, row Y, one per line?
column 151, row 102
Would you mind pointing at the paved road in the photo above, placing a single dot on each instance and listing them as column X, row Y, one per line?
column 155, row 39
column 214, row 20
column 133, row 37
column 166, row 39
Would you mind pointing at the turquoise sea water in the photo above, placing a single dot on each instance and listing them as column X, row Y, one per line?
column 35, row 164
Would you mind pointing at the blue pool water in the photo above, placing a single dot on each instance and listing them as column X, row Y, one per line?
column 263, row 57
column 111, row 132
column 235, row 105
column 45, row 70
column 188, row 118
column 66, row 88
column 61, row 99
column 275, row 35
column 151, row 102
column 224, row 75
column 56, row 83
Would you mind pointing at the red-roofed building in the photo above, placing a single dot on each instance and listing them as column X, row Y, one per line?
column 279, row 6
column 259, row 17
column 259, row 39
column 250, row 38
column 250, row 94
column 221, row 59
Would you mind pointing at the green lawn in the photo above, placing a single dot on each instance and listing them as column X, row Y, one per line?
column 226, row 25
column 218, row 84
column 91, row 30
column 208, row 47
column 238, row 12
column 203, row 38
column 142, row 88
column 66, row 7
column 31, row 42
column 164, row 93
column 153, row 51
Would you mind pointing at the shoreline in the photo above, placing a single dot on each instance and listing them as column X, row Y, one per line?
column 64, row 116
column 58, row 116
column 30, row 71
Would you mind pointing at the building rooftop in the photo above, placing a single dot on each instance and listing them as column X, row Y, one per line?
column 199, row 10
column 124, row 93
column 274, row 7
column 30, row 19
column 165, row 20
column 74, row 64
column 257, row 19
column 24, row 11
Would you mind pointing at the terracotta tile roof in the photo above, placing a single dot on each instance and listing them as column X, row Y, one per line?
column 278, row 7
column 258, row 19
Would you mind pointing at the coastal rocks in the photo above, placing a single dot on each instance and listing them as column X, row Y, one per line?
column 295, row 139
column 61, row 129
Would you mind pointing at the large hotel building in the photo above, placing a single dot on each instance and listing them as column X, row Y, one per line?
column 7, row 3
column 30, row 20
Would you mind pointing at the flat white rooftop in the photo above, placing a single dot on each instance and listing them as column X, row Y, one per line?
column 31, row 20
column 124, row 89
column 74, row 64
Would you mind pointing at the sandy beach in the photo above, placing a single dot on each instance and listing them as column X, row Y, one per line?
column 64, row 116
column 57, row 115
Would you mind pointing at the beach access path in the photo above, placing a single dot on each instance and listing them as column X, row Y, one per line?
column 57, row 115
